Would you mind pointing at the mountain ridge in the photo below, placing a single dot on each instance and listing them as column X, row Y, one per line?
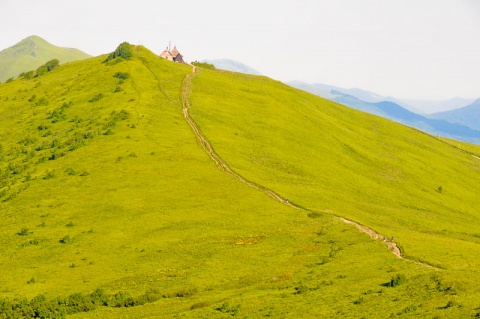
column 468, row 115
column 32, row 52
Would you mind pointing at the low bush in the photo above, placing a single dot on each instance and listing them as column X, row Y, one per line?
column 397, row 280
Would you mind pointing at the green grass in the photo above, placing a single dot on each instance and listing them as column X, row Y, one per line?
column 32, row 52
column 131, row 203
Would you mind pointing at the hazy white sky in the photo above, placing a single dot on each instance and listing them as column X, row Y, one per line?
column 421, row 49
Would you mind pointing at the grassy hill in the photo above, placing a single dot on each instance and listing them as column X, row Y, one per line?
column 111, row 208
column 32, row 52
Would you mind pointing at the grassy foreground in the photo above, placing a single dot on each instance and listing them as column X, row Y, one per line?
column 104, row 188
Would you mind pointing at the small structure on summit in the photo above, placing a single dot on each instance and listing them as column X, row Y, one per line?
column 172, row 55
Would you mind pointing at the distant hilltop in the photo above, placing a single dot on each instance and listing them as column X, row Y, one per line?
column 32, row 52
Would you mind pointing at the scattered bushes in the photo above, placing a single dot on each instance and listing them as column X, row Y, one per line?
column 204, row 65
column 40, row 307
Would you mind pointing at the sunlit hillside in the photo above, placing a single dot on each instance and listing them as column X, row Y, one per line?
column 32, row 52
column 113, row 205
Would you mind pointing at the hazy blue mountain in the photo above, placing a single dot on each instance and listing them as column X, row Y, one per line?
column 468, row 115
column 312, row 88
column 397, row 113
column 231, row 65
column 435, row 106
column 32, row 52
column 417, row 106
column 360, row 94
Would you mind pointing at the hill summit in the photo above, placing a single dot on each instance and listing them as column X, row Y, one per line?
column 32, row 52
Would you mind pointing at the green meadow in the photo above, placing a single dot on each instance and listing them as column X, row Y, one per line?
column 110, row 207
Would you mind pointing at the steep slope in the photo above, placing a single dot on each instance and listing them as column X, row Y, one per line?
column 32, row 52
column 330, row 159
column 105, row 185
column 468, row 115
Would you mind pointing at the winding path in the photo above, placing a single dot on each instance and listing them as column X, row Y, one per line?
column 222, row 165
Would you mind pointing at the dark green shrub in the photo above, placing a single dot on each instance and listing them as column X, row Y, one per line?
column 121, row 75
column 397, row 280
column 23, row 232
column 96, row 98
column 124, row 51
column 52, row 64
column 65, row 240
column 41, row 71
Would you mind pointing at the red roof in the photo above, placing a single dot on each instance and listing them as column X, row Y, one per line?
column 175, row 52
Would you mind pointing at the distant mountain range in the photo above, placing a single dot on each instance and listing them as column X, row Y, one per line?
column 417, row 106
column 465, row 127
column 32, row 52
column 234, row 66
column 468, row 115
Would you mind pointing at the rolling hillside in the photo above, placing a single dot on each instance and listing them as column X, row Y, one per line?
column 32, row 52
column 136, row 188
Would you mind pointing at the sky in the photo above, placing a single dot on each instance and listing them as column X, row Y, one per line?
column 409, row 49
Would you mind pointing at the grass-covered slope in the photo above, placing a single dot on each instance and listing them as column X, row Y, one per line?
column 32, row 52
column 332, row 159
column 104, row 188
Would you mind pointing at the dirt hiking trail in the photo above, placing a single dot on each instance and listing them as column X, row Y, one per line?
column 222, row 165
